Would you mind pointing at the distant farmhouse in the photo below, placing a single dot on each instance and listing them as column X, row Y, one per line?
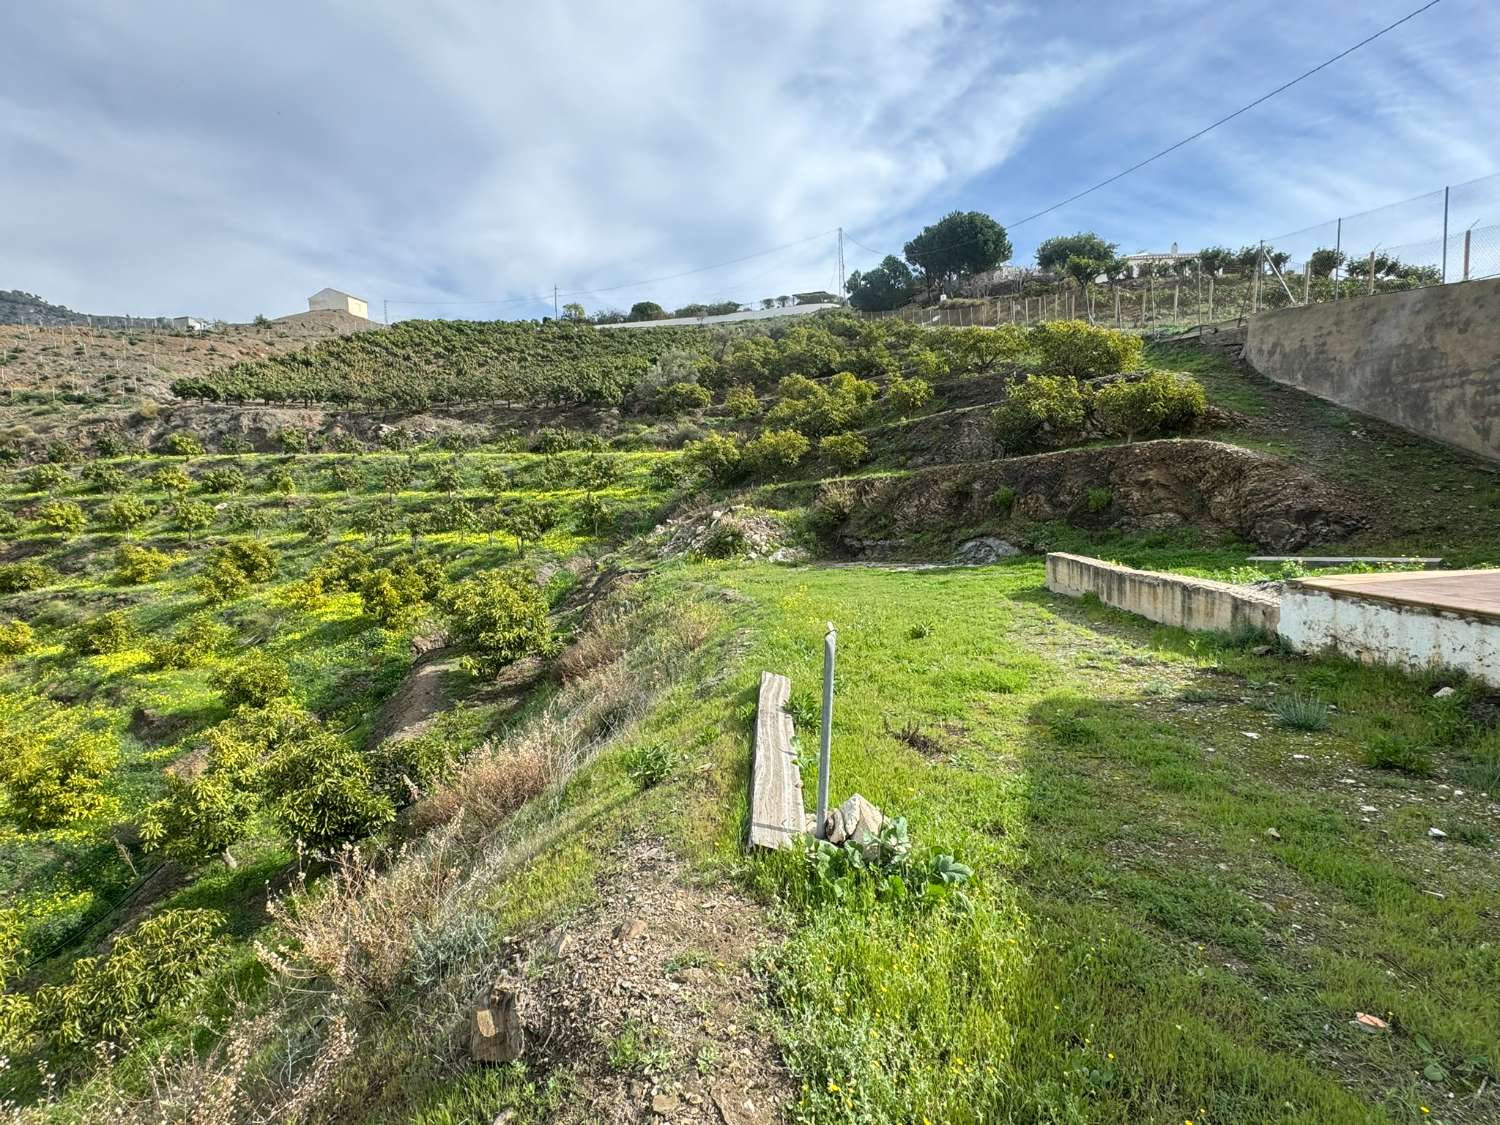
column 816, row 297
column 1142, row 262
column 189, row 323
column 334, row 300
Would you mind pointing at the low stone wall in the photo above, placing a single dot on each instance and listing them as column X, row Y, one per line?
column 1317, row 616
column 1171, row 599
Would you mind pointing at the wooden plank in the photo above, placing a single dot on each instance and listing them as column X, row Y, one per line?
column 776, row 810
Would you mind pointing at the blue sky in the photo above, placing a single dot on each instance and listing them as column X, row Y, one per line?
column 228, row 160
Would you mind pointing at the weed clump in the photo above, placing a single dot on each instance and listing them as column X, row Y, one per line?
column 649, row 764
column 1300, row 712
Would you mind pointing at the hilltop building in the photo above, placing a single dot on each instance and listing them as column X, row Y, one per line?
column 335, row 300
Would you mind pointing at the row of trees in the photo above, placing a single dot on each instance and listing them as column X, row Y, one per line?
column 957, row 246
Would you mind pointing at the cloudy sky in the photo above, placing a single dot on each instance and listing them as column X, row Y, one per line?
column 229, row 159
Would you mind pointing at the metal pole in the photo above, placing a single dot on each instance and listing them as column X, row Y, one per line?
column 1445, row 234
column 830, row 643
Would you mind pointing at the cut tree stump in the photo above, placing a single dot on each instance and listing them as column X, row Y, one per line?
column 495, row 1031
column 776, row 811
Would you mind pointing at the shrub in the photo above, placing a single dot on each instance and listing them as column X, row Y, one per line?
column 292, row 441
column 315, row 521
column 221, row 480
column 448, row 476
column 47, row 477
column 184, row 444
column 680, row 398
column 104, row 478
column 127, row 512
column 1084, row 351
column 339, row 571
column 391, row 593
column 107, row 633
column 251, row 558
column 111, row 443
column 28, row 574
column 280, row 480
column 193, row 516
column 199, row 817
column 105, row 1000
column 926, row 364
column 1100, row 499
column 1300, row 712
column 775, row 452
column 907, row 396
column 717, row 457
column 170, row 479
column 980, row 350
column 666, row 473
column 322, row 791
column 498, row 616
column 191, row 645
column 256, row 681
column 1161, row 403
column 55, row 764
column 650, row 763
column 405, row 767
column 61, row 516
column 16, row 637
column 1003, row 499
column 741, row 402
column 1042, row 410
column 345, row 477
column 818, row 409
column 847, row 451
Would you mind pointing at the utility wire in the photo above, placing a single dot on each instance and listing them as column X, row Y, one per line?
column 1201, row 132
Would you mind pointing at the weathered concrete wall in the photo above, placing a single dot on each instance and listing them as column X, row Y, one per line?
column 1172, row 599
column 1316, row 616
column 1427, row 360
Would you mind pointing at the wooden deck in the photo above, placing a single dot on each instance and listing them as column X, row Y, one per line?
column 1474, row 592
column 776, row 809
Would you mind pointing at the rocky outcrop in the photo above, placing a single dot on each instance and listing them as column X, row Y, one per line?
column 1219, row 489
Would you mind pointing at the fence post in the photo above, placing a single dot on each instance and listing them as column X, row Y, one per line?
column 1117, row 307
column 1445, row 234
column 830, row 642
column 1307, row 281
column 1372, row 273
column 1210, row 298
column 1468, row 234
column 1338, row 255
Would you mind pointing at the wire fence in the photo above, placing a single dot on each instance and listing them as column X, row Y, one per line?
column 1447, row 236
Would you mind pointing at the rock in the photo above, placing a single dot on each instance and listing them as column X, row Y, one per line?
column 984, row 549
column 423, row 643
column 862, row 820
column 833, row 827
column 1368, row 808
column 1442, row 693
column 1437, row 833
column 1366, row 1022
column 1250, row 734
column 630, row 929
column 1261, row 650
column 1272, row 834
column 495, row 1031
column 664, row 1105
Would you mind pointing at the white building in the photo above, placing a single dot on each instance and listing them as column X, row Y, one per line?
column 335, row 300
column 188, row 323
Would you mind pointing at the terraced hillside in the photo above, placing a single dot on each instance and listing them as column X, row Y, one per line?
column 330, row 725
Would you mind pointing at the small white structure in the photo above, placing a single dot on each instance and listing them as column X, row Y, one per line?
column 335, row 300
column 188, row 323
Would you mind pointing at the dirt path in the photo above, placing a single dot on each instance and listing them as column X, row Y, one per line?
column 648, row 1001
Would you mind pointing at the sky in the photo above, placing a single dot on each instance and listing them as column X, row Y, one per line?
column 460, row 158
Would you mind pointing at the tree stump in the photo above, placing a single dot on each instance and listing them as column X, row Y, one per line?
column 495, row 1031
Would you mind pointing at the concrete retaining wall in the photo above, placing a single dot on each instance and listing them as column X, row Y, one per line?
column 1427, row 360
column 1171, row 599
column 1376, row 631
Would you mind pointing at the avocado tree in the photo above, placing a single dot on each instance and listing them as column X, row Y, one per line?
column 958, row 245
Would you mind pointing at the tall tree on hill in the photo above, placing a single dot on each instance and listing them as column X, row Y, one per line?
column 958, row 245
column 647, row 310
column 1053, row 254
column 888, row 286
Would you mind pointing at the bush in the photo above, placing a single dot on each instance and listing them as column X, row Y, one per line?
column 1003, row 499
column 1397, row 752
column 847, row 451
column 184, row 444
column 256, row 681
column 680, row 398
column 650, row 763
column 110, row 632
column 61, row 516
column 170, row 479
column 193, row 516
column 28, row 574
column 392, row 593
column 1099, row 499
column 775, row 452
column 907, row 396
column 16, row 637
column 1084, row 351
column 106, row 1000
column 498, row 616
column 741, row 402
column 322, row 792
column 221, row 582
column 55, row 764
column 127, row 512
column 1042, row 410
column 818, row 409
column 340, row 571
column 1161, row 403
column 221, row 480
column 47, row 477
column 191, row 645
column 104, row 478
column 717, row 457
column 251, row 558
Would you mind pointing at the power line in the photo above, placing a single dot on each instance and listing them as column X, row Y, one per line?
column 1229, row 116
column 1201, row 132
